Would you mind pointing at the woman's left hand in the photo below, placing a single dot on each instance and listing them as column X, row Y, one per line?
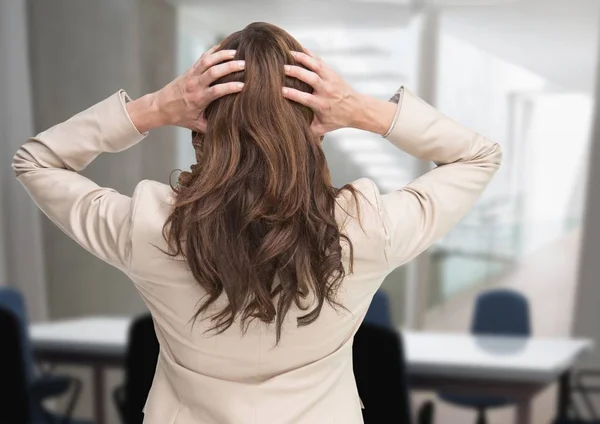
column 182, row 102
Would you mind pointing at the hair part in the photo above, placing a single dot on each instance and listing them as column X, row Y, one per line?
column 255, row 216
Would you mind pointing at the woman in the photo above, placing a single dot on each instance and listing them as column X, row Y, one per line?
column 256, row 270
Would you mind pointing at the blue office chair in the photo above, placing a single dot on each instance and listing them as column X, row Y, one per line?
column 500, row 312
column 40, row 386
column 379, row 312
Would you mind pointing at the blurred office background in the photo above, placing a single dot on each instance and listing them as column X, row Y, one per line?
column 522, row 72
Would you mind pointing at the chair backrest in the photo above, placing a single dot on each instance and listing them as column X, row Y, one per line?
column 13, row 301
column 380, row 372
column 13, row 383
column 379, row 312
column 501, row 312
column 140, row 366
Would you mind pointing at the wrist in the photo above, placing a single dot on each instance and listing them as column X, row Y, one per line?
column 146, row 114
column 373, row 115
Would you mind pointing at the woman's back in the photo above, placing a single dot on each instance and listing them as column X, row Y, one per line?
column 250, row 370
column 256, row 312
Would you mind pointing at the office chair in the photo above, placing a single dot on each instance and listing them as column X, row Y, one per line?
column 379, row 312
column 575, row 421
column 140, row 366
column 581, row 404
column 40, row 386
column 499, row 312
column 13, row 385
column 380, row 372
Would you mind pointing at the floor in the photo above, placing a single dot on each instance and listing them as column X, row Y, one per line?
column 548, row 279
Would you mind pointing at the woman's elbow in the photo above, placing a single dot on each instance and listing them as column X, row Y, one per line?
column 23, row 161
column 492, row 156
column 497, row 154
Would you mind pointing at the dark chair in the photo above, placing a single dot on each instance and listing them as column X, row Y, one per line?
column 380, row 372
column 13, row 384
column 578, row 393
column 575, row 421
column 40, row 386
column 379, row 312
column 140, row 366
column 500, row 312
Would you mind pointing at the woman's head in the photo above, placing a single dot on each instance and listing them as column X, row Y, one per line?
column 255, row 216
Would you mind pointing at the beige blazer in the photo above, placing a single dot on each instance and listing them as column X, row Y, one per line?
column 233, row 378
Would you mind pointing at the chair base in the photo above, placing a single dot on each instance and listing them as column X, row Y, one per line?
column 426, row 413
column 46, row 417
column 481, row 416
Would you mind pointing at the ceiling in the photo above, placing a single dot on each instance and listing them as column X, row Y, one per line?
column 372, row 43
column 228, row 16
column 556, row 39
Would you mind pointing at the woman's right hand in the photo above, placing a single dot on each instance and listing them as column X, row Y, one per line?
column 333, row 101
column 182, row 102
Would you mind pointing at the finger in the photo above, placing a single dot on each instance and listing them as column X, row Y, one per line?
column 311, row 54
column 308, row 61
column 318, row 130
column 199, row 126
column 303, row 75
column 210, row 60
column 306, row 99
column 220, row 90
column 209, row 51
column 212, row 49
column 218, row 71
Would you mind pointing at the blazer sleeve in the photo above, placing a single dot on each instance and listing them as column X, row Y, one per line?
column 422, row 212
column 97, row 218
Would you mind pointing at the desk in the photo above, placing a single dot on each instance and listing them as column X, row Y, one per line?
column 511, row 367
column 97, row 342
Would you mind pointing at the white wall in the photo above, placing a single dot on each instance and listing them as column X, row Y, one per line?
column 21, row 257
column 555, row 156
column 523, row 112
column 587, row 307
column 81, row 53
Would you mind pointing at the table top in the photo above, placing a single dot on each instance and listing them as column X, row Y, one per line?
column 94, row 335
column 484, row 357
column 427, row 353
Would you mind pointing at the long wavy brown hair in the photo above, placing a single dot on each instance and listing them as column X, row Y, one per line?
column 254, row 218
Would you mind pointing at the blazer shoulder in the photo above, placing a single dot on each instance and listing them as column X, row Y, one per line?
column 152, row 200
column 358, row 216
column 369, row 192
column 363, row 199
column 152, row 203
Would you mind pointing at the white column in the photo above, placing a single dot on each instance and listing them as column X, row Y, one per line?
column 419, row 270
column 586, row 320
